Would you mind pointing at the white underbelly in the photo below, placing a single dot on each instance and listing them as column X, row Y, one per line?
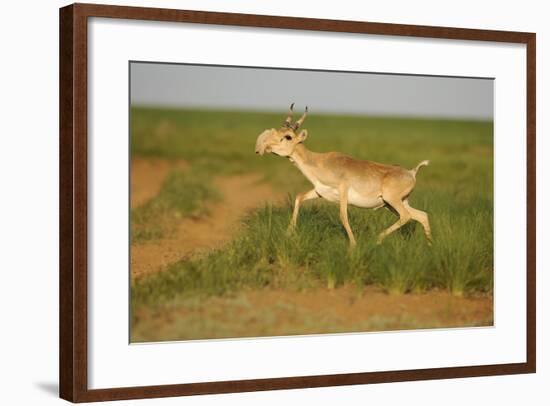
column 326, row 192
column 368, row 201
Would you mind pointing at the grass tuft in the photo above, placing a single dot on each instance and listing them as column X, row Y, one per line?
column 316, row 254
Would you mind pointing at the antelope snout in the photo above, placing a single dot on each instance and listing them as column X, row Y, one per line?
column 261, row 149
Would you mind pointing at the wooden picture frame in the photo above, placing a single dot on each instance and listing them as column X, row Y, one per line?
column 73, row 209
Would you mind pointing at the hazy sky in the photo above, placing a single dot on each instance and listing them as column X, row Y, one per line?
column 216, row 87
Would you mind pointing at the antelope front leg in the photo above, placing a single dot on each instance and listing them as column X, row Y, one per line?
column 344, row 214
column 302, row 197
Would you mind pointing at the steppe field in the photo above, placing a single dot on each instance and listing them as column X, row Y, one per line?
column 211, row 256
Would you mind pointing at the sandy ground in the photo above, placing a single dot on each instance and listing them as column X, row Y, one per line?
column 240, row 194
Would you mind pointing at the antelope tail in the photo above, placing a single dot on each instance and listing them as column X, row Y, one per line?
column 420, row 165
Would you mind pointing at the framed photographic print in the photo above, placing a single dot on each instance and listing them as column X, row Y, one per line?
column 255, row 202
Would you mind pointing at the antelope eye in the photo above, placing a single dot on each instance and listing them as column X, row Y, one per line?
column 287, row 137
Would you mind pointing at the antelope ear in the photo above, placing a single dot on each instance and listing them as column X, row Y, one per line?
column 302, row 136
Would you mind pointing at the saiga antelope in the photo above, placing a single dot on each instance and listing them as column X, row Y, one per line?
column 339, row 178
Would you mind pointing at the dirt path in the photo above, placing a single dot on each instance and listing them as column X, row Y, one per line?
column 275, row 312
column 240, row 194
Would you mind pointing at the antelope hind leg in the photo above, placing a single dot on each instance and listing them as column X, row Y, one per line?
column 422, row 218
column 404, row 218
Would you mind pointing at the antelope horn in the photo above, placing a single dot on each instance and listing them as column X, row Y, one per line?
column 288, row 121
column 301, row 120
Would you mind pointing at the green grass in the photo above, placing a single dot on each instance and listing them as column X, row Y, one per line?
column 223, row 142
column 316, row 254
column 456, row 190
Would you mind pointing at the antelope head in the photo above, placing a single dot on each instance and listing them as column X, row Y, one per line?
column 282, row 141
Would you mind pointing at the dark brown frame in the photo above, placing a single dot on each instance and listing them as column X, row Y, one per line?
column 73, row 362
